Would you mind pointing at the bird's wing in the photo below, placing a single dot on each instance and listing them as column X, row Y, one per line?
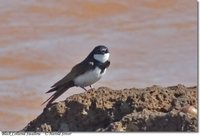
column 65, row 83
column 76, row 70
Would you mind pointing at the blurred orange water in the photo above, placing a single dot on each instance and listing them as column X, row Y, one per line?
column 151, row 42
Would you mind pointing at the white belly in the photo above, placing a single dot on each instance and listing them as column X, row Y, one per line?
column 89, row 78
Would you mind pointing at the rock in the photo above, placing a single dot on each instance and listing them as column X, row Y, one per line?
column 45, row 128
column 150, row 109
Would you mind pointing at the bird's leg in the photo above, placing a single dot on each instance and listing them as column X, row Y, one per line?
column 84, row 88
column 91, row 87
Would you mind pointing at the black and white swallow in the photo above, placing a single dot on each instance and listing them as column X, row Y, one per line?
column 84, row 74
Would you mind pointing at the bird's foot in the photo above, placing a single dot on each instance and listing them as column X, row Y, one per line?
column 84, row 89
column 91, row 88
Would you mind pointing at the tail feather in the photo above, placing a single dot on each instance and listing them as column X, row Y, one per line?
column 58, row 91
column 52, row 90
column 55, row 96
column 47, row 99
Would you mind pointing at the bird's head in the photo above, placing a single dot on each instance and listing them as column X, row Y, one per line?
column 100, row 53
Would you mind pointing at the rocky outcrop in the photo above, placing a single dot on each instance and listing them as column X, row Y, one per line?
column 150, row 109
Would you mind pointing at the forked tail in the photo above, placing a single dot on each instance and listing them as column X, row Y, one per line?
column 59, row 90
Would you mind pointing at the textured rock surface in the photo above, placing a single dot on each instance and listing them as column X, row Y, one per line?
column 150, row 109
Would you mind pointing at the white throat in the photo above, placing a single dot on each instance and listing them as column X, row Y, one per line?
column 101, row 57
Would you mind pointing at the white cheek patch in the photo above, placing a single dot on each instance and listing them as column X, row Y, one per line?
column 102, row 57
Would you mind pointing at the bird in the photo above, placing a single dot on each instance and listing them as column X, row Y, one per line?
column 84, row 74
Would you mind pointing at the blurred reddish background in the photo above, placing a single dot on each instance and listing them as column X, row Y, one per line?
column 151, row 42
